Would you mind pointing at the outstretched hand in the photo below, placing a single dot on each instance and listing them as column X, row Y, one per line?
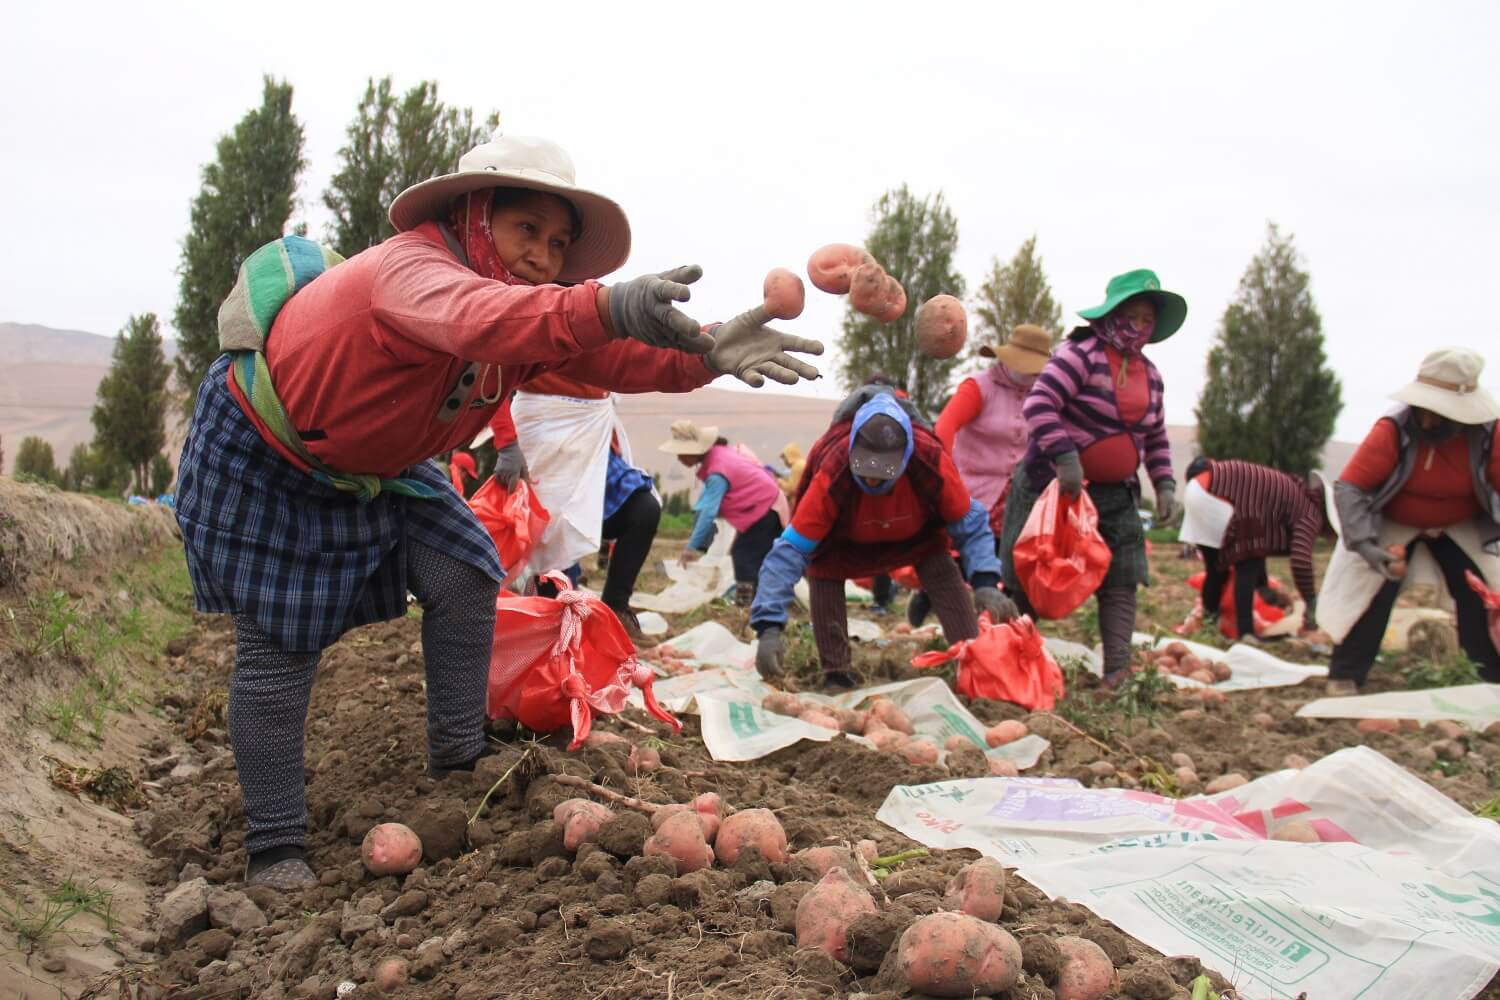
column 642, row 309
column 752, row 352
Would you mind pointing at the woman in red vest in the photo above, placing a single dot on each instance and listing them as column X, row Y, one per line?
column 737, row 489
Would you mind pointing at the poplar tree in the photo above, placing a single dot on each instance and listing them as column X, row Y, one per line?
column 390, row 145
column 130, row 413
column 1270, row 397
column 245, row 202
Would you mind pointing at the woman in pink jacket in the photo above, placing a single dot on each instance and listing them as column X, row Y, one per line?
column 736, row 488
column 308, row 499
column 984, row 429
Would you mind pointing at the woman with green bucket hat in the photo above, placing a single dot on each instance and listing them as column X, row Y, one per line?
column 1093, row 417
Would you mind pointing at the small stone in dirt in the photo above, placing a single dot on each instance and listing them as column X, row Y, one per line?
column 429, row 959
column 497, row 934
column 485, row 895
column 784, row 904
column 184, row 911
column 1183, row 968
column 1263, row 720
column 1183, row 760
column 553, row 868
column 213, row 943
column 608, row 940
column 819, row 966
column 53, row 963
column 222, row 904
column 1115, row 944
column 1040, row 956
column 408, row 904
column 1150, row 983
column 638, row 868
column 1295, row 761
column 624, row 834
column 755, row 898
column 440, row 827
column 1378, row 726
column 1101, row 769
column 764, row 944
column 1189, row 714
column 1225, row 782
column 543, row 902
column 593, row 865
column 871, row 936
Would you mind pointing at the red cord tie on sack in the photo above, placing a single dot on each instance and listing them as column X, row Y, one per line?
column 1007, row 662
column 558, row 661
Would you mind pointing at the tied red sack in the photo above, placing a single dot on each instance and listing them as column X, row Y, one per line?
column 515, row 520
column 1007, row 662
column 1060, row 557
column 560, row 660
column 1491, row 604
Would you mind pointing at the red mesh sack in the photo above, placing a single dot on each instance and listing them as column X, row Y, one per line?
column 515, row 520
column 1060, row 557
column 560, row 660
column 1007, row 662
column 1491, row 604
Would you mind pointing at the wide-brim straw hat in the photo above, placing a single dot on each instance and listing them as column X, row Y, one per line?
column 1171, row 308
column 536, row 164
column 1448, row 385
column 689, row 439
column 1026, row 352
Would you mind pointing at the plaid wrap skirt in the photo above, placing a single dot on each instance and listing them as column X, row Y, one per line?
column 1119, row 523
column 305, row 561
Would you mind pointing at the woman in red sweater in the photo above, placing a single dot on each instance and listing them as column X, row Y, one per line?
column 308, row 500
column 1418, row 498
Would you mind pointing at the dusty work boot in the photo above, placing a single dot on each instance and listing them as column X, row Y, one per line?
column 839, row 680
column 744, row 593
column 633, row 628
column 1341, row 688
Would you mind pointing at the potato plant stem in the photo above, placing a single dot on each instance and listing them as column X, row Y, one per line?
column 604, row 793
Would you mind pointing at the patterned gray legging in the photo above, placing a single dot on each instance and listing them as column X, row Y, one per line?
column 270, row 690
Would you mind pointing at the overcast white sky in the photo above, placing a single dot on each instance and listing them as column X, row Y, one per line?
column 1124, row 135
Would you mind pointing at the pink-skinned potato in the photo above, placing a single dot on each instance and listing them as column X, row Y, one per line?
column 709, row 821
column 868, row 292
column 580, row 819
column 391, row 849
column 1005, row 732
column 826, row 912
column 851, row 721
column 784, row 294
column 895, row 301
column 643, row 760
column 1086, row 972
column 891, row 716
column 978, row 890
column 832, row 267
column 957, row 742
column 1002, row 767
column 823, row 860
column 942, row 327
column 867, row 849
column 783, row 703
column 391, row 975
column 680, row 839
column 919, row 751
column 820, row 717
column 956, row 955
column 1298, row 831
column 886, row 739
column 599, row 738
column 751, row 827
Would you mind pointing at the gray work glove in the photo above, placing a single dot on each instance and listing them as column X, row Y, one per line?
column 1379, row 559
column 1069, row 474
column 752, row 352
column 1000, row 607
column 510, row 466
column 770, row 653
column 641, row 309
column 1166, row 501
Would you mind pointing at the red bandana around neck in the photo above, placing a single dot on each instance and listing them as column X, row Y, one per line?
column 470, row 218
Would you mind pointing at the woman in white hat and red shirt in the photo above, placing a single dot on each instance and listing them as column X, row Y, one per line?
column 307, row 499
column 1419, row 499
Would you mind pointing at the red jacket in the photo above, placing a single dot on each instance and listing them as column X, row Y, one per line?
column 402, row 353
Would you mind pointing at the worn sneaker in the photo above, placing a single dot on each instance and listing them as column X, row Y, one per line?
column 287, row 869
column 633, row 629
column 1341, row 688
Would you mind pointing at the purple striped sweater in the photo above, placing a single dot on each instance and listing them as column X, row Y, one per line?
column 1072, row 405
